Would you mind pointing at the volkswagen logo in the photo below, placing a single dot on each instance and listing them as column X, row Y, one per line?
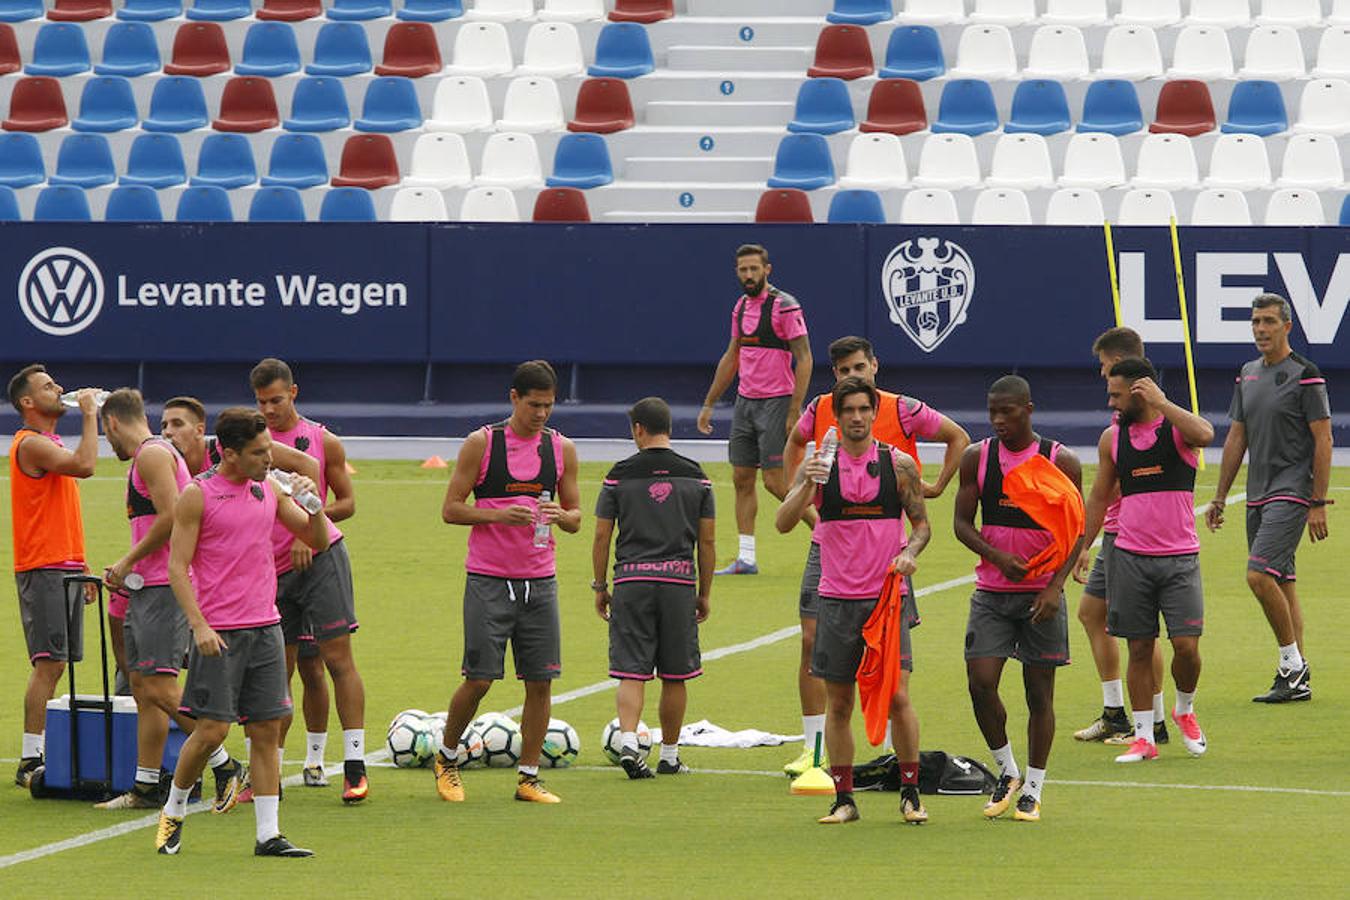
column 61, row 291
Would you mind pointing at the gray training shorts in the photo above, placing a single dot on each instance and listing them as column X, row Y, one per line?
column 808, row 600
column 43, row 608
column 652, row 627
column 1000, row 626
column 318, row 602
column 758, row 432
column 156, row 632
column 1101, row 568
column 839, row 641
column 524, row 612
column 1273, row 532
column 245, row 683
column 1144, row 587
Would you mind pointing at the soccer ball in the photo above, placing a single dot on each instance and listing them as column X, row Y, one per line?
column 435, row 723
column 561, row 744
column 471, row 749
column 486, row 719
column 611, row 740
column 409, row 741
column 501, row 743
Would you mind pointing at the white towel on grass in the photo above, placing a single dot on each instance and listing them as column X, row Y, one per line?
column 705, row 734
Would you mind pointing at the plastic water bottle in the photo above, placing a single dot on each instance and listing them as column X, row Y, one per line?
column 308, row 500
column 828, row 445
column 134, row 581
column 541, row 529
column 72, row 399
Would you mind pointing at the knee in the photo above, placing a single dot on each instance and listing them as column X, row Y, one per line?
column 538, row 690
column 1089, row 615
column 1258, row 581
column 743, row 480
column 48, row 671
column 981, row 691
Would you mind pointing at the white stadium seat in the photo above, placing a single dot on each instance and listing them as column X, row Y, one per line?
column 532, row 105
column 876, row 161
column 1147, row 207
column 1021, row 161
column 1239, row 161
column 1221, row 207
column 1001, row 206
column 439, row 160
column 510, row 159
column 932, row 206
column 1093, row 160
column 418, row 204
column 1295, row 207
column 460, row 104
column 489, row 204
column 948, row 161
column 1166, row 161
column 1075, row 206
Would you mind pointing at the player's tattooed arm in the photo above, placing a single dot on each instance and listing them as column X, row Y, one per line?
column 911, row 498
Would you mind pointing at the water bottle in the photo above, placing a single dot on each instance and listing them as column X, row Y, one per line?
column 134, row 581
column 541, row 529
column 72, row 399
column 308, row 500
column 828, row 445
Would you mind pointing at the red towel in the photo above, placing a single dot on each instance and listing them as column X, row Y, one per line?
column 1046, row 494
column 879, row 670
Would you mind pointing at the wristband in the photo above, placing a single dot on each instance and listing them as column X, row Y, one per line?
column 1318, row 504
column 599, row 586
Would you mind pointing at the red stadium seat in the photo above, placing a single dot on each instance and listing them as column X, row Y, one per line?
column 247, row 105
column 561, row 205
column 644, row 11
column 368, row 161
column 289, row 10
column 603, row 106
column 895, row 107
column 36, row 105
column 842, row 51
column 410, row 50
column 1184, row 107
column 199, row 50
column 784, row 205
column 9, row 51
column 80, row 10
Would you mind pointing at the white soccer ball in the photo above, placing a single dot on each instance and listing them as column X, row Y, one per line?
column 486, row 719
column 471, row 749
column 435, row 723
column 561, row 744
column 611, row 740
column 409, row 741
column 501, row 743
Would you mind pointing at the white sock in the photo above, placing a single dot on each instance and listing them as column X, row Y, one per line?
column 628, row 740
column 1006, row 763
column 265, row 816
column 1113, row 694
column 32, row 745
column 812, row 726
column 1035, row 781
column 1185, row 702
column 670, row 753
column 888, row 745
column 1143, row 725
column 747, row 549
column 1159, row 707
column 532, row 771
column 281, row 754
column 455, row 755
column 218, row 757
column 1290, row 659
column 315, row 743
column 147, row 776
column 177, row 805
column 353, row 744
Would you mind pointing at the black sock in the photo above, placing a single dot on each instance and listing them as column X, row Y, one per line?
column 353, row 769
column 844, row 797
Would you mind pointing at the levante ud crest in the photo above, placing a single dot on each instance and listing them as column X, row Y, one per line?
column 928, row 284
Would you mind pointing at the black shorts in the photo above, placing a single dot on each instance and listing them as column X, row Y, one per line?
column 1000, row 626
column 758, row 432
column 246, row 683
column 1273, row 532
column 524, row 612
column 43, row 609
column 156, row 632
column 652, row 627
column 839, row 640
column 319, row 602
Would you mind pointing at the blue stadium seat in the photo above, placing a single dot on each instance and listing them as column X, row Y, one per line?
column 803, row 161
column 1256, row 107
column 318, row 104
column 59, row 50
column 857, row 206
column 133, row 203
column 129, row 49
column 297, row 161
column 20, row 160
column 204, row 204
column 622, row 51
column 1111, row 106
column 967, row 107
column 107, row 104
column 9, row 205
column 177, row 104
column 85, row 161
column 390, row 105
column 431, row 10
column 155, row 161
column 20, row 10
column 270, row 50
column 360, row 10
column 276, row 204
column 914, row 52
column 150, row 10
column 219, row 10
column 823, row 107
column 861, row 12
column 225, row 161
column 1039, row 107
column 1344, row 220
column 61, row 203
column 581, row 161
column 347, row 204
column 340, row 49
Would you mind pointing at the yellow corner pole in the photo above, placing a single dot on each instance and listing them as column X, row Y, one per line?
column 1111, row 267
column 1185, row 327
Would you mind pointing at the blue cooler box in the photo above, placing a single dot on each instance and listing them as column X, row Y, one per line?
column 93, row 765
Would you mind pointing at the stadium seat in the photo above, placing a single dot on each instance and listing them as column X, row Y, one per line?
column 1311, row 161
column 155, row 161
column 803, row 161
column 1202, row 52
column 20, row 10
column 347, row 204
column 199, row 50
column 59, row 50
column 1324, row 107
column 895, row 107
column 177, row 104
column 270, row 50
column 489, row 204
column 219, row 10
column 417, row 204
column 1058, row 52
column 510, row 160
column 786, row 205
column 9, row 51
column 276, row 204
column 603, row 106
column 482, row 49
column 643, row 11
column 875, row 162
column 966, row 107
column 204, row 204
column 1292, row 207
column 823, row 107
column 390, row 105
column 430, row 10
column 460, row 104
column 1038, row 107
column 1184, row 107
column 21, row 162
column 500, row 10
column 410, row 49
column 1149, row 13
column 296, row 161
column 247, row 104
column 1147, row 207
column 572, row 11
column 948, row 161
column 1112, row 107
column 1239, row 162
column 985, row 51
column 532, row 105
column 581, row 161
column 85, row 161
column 552, row 49
column 561, row 204
column 861, row 12
column 1131, row 51
column 1001, row 206
column 1021, row 161
column 931, row 206
column 368, row 161
column 36, row 104
column 9, row 205
column 1166, row 161
column 1003, row 12
column 340, row 49
column 1079, row 13
column 1333, row 53
column 226, row 161
column 856, row 207
column 1256, row 107
column 129, row 50
column 150, row 10
column 318, row 104
column 106, row 104
column 933, row 12
column 1221, row 207
column 440, row 161
column 914, row 52
column 80, row 10
column 842, row 51
column 61, row 203
column 359, row 10
column 1220, row 13
column 623, row 51
column 1345, row 211
column 1273, row 52
column 1093, row 160
column 1294, row 13
column 289, row 10
column 1074, row 206
column 133, row 203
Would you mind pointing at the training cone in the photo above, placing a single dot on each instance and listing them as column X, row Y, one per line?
column 434, row 462
column 814, row 781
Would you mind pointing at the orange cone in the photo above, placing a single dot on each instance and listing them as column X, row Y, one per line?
column 435, row 462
